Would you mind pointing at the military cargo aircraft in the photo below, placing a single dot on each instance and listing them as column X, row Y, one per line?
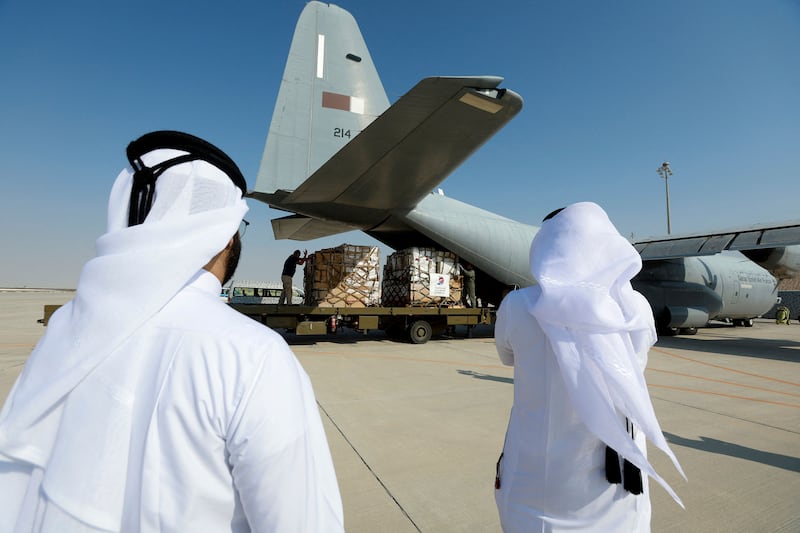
column 339, row 157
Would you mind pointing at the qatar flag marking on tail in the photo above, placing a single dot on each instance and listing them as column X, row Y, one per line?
column 343, row 102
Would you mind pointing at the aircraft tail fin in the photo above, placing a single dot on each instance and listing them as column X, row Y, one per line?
column 329, row 92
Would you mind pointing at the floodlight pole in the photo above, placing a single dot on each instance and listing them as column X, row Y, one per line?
column 665, row 172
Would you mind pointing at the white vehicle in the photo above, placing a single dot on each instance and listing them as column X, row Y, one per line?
column 260, row 292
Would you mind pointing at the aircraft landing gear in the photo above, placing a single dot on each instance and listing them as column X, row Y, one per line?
column 666, row 331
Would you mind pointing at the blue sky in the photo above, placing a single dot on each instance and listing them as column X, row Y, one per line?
column 611, row 90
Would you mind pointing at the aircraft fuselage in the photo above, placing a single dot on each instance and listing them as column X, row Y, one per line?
column 688, row 292
column 683, row 292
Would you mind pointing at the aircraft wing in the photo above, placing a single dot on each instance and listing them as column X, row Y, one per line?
column 403, row 154
column 746, row 239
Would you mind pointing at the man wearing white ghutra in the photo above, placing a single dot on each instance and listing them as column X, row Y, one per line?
column 149, row 404
column 575, row 457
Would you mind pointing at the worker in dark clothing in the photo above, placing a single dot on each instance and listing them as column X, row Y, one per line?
column 289, row 268
column 468, row 291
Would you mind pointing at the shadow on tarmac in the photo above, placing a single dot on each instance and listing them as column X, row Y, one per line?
column 775, row 349
column 344, row 337
column 487, row 377
column 707, row 444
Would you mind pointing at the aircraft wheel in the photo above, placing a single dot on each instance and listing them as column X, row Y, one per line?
column 667, row 331
column 748, row 322
column 420, row 332
column 688, row 331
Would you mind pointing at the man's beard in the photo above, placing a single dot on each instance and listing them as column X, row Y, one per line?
column 232, row 261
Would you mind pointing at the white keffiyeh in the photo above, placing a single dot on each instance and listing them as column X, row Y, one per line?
column 599, row 327
column 137, row 270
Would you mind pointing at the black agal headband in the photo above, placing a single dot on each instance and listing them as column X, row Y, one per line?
column 144, row 177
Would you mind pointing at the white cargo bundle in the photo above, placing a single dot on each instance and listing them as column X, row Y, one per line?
column 421, row 277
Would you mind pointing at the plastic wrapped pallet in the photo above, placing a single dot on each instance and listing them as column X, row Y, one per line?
column 423, row 277
column 345, row 276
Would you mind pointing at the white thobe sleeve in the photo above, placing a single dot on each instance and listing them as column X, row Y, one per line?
column 501, row 330
column 279, row 456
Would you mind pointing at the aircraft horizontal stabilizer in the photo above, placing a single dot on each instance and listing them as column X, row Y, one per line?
column 300, row 228
column 407, row 151
column 754, row 238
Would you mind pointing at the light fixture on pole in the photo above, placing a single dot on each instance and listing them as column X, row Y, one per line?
column 665, row 172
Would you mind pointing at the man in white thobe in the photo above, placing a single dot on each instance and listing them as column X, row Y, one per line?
column 578, row 341
column 149, row 404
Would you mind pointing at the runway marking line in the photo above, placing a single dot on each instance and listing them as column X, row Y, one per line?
column 18, row 345
column 734, row 396
column 723, row 381
column 768, row 378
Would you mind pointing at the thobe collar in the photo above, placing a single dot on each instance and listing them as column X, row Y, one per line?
column 205, row 281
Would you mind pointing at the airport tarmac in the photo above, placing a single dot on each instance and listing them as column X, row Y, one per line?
column 415, row 430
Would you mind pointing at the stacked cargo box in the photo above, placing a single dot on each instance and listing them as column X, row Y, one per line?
column 421, row 277
column 343, row 276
